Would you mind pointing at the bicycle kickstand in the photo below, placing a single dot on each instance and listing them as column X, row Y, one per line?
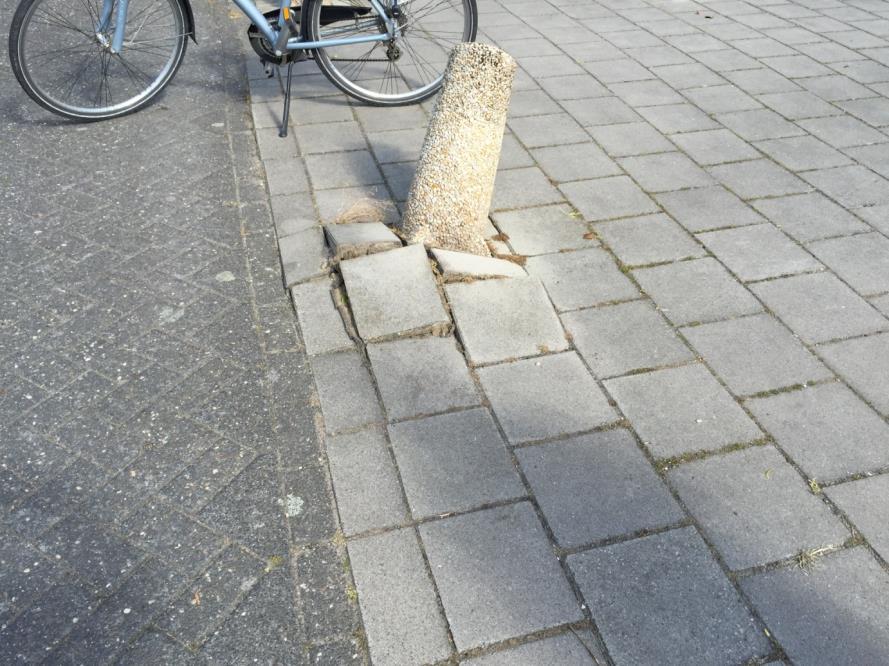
column 283, row 132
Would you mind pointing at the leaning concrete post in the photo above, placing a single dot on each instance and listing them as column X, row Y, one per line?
column 450, row 197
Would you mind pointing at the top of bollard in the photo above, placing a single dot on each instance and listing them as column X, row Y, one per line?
column 478, row 81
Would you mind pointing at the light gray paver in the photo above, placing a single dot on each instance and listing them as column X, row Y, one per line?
column 808, row 217
column 551, row 130
column 453, row 462
column 754, row 507
column 800, row 153
column 331, row 170
column 493, row 560
column 759, row 124
column 348, row 399
column 421, row 376
column 864, row 363
column 707, row 208
column 843, row 131
column 502, row 319
column 621, row 338
column 627, row 139
column 460, row 265
column 665, row 172
column 604, row 470
column 834, row 614
column 545, row 397
column 827, row 430
column 607, row 198
column 603, row 111
column 303, row 255
column 864, row 501
column 393, row 293
column 368, row 493
column 319, row 320
column 359, row 238
column 862, row 261
column 519, row 188
column 695, row 291
column 576, row 162
column 851, row 186
column 715, row 147
column 681, row 410
column 818, row 307
column 758, row 178
column 648, row 240
column 663, row 599
column 581, row 279
column 672, row 118
column 543, row 230
column 398, row 604
column 565, row 650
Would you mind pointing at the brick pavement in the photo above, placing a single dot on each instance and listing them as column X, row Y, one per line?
column 669, row 442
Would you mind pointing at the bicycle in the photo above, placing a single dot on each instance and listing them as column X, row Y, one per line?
column 67, row 53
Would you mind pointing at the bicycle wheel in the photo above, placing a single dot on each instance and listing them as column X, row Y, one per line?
column 405, row 70
column 67, row 67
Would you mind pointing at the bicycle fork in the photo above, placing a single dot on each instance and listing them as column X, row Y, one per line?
column 116, row 43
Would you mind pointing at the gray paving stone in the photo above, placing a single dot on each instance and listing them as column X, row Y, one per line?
column 545, row 397
column 576, row 86
column 286, row 176
column 457, row 266
column 676, row 606
column 544, row 230
column 491, row 560
column 648, row 240
column 759, row 124
column 865, row 71
column 800, row 153
column 665, row 172
column 398, row 601
column 625, row 139
column 604, row 111
column 843, row 131
column 681, row 410
column 754, row 507
column 320, row 322
column 645, row 93
column 714, row 147
column 503, row 319
column 862, row 261
column 874, row 110
column 808, row 217
column 552, row 130
column 330, row 137
column 796, row 66
column 682, row 76
column 760, row 81
column 851, row 186
column 453, row 462
column 622, row 338
column 332, row 204
column 758, row 251
column 531, row 103
column 672, row 118
column 566, row 650
column 881, row 303
column 607, row 198
column 394, row 293
column 819, row 307
column 722, row 99
column 864, row 364
column 695, row 291
column 871, row 156
column 421, row 376
column 618, row 70
column 726, row 60
column 397, row 145
column 576, row 162
column 758, row 178
column 604, row 470
column 792, row 603
column 581, row 279
column 827, row 430
column 512, row 154
column 835, row 88
column 863, row 502
column 348, row 399
column 356, row 239
column 332, row 170
column 707, row 208
column 303, row 256
column 876, row 216
column 520, row 188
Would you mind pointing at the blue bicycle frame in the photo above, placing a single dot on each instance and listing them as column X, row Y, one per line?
column 252, row 12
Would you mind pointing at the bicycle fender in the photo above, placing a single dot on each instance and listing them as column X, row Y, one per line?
column 189, row 19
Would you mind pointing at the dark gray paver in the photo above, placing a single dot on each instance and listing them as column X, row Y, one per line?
column 545, row 397
column 605, row 470
column 504, row 552
column 346, row 391
column 864, row 364
column 834, row 613
column 663, row 599
column 862, row 261
column 648, row 240
column 565, row 649
column 681, row 410
column 864, row 502
column 754, row 507
column 755, row 354
column 397, row 598
column 705, row 208
column 453, row 462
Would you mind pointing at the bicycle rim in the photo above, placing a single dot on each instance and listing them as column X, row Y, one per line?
column 400, row 71
column 66, row 66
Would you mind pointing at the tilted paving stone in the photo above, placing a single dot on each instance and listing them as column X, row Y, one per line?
column 457, row 266
column 359, row 238
column 543, row 230
column 754, row 507
column 545, row 397
column 321, row 324
column 863, row 502
column 303, row 255
column 505, row 552
column 648, row 240
column 794, row 602
column 347, row 395
column 504, row 319
column 862, row 261
column 421, row 376
column 565, row 649
column 681, row 410
column 864, row 364
column 666, row 580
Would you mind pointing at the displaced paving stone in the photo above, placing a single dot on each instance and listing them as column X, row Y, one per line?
column 681, row 410
column 544, row 230
column 819, row 307
column 696, row 291
column 348, row 399
column 393, row 293
column 456, row 266
column 421, row 376
column 493, row 560
column 365, row 481
column 607, row 198
column 706, row 208
column 565, row 650
column 605, row 470
column 319, row 320
column 755, row 354
column 794, row 602
column 504, row 319
column 581, row 279
column 356, row 239
column 864, row 364
column 303, row 256
column 754, row 507
column 675, row 604
column 453, row 462
column 398, row 604
column 648, row 240
column 864, row 502
column 618, row 339
column 808, row 217
column 544, row 397
column 862, row 261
